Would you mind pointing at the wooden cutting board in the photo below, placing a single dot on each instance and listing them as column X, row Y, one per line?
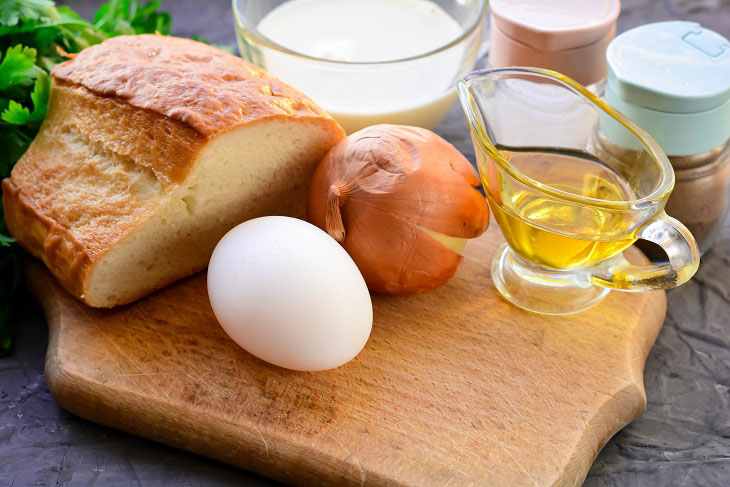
column 455, row 387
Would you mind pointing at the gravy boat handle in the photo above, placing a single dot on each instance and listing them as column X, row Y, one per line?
column 677, row 242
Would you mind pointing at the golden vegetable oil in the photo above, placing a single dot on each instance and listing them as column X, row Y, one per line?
column 550, row 231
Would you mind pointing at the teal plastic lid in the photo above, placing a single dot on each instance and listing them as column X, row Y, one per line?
column 673, row 79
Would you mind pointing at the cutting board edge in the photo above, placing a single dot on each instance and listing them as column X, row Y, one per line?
column 577, row 468
column 69, row 391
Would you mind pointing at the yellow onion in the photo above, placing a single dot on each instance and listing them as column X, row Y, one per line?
column 401, row 201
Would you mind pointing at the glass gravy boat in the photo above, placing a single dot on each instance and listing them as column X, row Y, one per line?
column 566, row 205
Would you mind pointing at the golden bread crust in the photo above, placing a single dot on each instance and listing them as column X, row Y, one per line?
column 44, row 238
column 95, row 167
column 117, row 125
column 196, row 84
column 126, row 124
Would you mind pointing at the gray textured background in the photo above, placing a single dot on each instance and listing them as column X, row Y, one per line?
column 682, row 439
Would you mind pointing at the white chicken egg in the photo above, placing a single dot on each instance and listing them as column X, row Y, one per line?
column 289, row 294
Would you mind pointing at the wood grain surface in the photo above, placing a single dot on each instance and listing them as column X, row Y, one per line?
column 455, row 387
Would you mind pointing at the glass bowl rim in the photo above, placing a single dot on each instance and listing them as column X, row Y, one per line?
column 658, row 196
column 262, row 39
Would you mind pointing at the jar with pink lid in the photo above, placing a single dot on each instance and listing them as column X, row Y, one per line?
column 568, row 36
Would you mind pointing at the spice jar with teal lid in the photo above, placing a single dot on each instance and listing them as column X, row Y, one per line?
column 673, row 80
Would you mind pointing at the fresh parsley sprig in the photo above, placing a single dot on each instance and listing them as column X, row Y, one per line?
column 34, row 37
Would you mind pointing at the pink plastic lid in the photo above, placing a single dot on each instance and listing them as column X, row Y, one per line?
column 555, row 25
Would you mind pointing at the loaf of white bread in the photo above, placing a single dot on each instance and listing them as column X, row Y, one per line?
column 153, row 148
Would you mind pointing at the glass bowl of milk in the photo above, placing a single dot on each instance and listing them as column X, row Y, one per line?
column 366, row 62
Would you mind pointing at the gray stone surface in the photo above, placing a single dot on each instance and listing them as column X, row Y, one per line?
column 682, row 439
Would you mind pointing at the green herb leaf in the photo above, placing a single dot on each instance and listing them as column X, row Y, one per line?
column 120, row 17
column 40, row 95
column 16, row 113
column 17, row 66
column 6, row 241
column 14, row 11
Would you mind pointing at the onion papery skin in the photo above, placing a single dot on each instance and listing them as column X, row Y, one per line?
column 374, row 189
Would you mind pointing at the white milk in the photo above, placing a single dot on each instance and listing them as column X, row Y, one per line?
column 417, row 92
